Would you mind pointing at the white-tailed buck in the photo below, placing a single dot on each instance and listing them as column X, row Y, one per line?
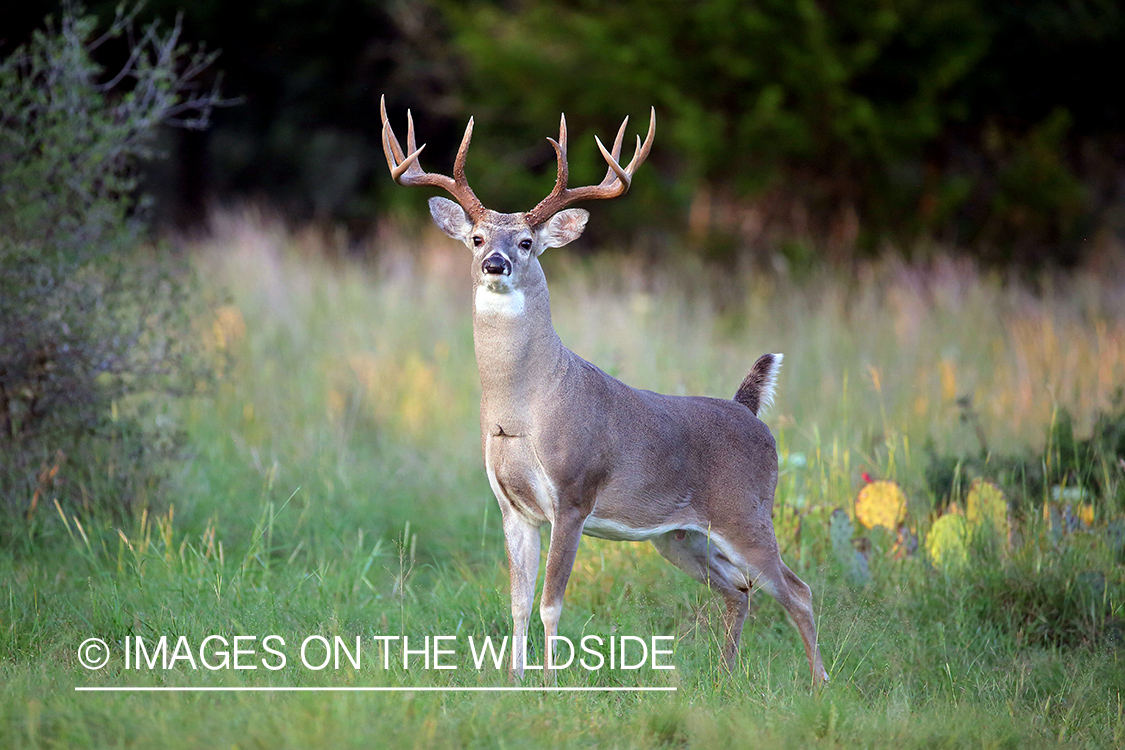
column 568, row 445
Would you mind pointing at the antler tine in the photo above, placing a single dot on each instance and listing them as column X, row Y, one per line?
column 462, row 154
column 560, row 153
column 615, row 173
column 616, row 153
column 405, row 169
column 641, row 153
column 402, row 164
column 391, row 148
column 616, row 182
column 399, row 162
column 410, row 147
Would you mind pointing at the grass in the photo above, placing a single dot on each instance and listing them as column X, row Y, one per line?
column 335, row 489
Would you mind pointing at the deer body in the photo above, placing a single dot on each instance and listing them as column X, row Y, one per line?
column 567, row 445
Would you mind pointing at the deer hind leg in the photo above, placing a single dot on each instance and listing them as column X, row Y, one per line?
column 803, row 619
column 701, row 557
column 795, row 597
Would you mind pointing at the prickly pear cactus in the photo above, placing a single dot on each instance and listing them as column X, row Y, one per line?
column 840, row 529
column 947, row 542
column 986, row 505
column 1055, row 523
column 881, row 503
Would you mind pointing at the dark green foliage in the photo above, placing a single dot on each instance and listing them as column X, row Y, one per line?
column 1021, row 477
column 845, row 122
column 1089, row 468
column 89, row 326
column 829, row 109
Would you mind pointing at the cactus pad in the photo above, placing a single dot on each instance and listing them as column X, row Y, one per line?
column 881, row 503
column 840, row 529
column 986, row 504
column 947, row 542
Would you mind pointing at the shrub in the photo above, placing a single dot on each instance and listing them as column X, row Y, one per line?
column 91, row 324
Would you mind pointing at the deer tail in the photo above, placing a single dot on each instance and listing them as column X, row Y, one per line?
column 756, row 391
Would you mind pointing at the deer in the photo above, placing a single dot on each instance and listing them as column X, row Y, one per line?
column 567, row 445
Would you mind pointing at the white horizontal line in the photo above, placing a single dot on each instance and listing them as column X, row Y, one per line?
column 295, row 689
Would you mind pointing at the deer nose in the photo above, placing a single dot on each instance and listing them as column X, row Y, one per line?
column 497, row 264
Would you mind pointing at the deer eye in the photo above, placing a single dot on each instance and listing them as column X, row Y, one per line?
column 525, row 244
column 478, row 240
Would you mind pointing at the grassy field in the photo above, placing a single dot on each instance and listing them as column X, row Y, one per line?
column 334, row 487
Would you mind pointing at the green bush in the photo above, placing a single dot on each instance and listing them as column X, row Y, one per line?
column 92, row 325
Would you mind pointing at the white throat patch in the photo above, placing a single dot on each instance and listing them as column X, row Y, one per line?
column 506, row 303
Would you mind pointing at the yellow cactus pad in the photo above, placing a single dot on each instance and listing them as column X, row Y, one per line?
column 947, row 543
column 985, row 502
column 881, row 503
column 1085, row 511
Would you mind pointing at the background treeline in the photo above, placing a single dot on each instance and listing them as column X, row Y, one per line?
column 784, row 125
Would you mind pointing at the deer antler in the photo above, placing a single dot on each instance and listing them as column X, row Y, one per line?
column 615, row 183
column 405, row 169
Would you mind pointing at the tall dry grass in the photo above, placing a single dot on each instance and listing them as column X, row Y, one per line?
column 877, row 361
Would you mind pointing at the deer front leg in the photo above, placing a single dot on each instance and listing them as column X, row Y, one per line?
column 521, row 539
column 566, row 532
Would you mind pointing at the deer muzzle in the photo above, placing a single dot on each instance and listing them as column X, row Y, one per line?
column 497, row 265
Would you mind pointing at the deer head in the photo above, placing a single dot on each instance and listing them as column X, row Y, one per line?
column 505, row 247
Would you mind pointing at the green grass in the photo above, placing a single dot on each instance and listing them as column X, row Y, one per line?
column 334, row 487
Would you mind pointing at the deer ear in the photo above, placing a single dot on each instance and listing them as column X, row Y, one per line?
column 451, row 218
column 563, row 228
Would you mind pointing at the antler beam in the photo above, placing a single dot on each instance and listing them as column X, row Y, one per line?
column 615, row 183
column 405, row 169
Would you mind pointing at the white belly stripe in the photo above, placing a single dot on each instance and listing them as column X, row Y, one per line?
column 615, row 531
column 619, row 532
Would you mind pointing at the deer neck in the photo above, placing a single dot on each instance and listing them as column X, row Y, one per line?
column 517, row 351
